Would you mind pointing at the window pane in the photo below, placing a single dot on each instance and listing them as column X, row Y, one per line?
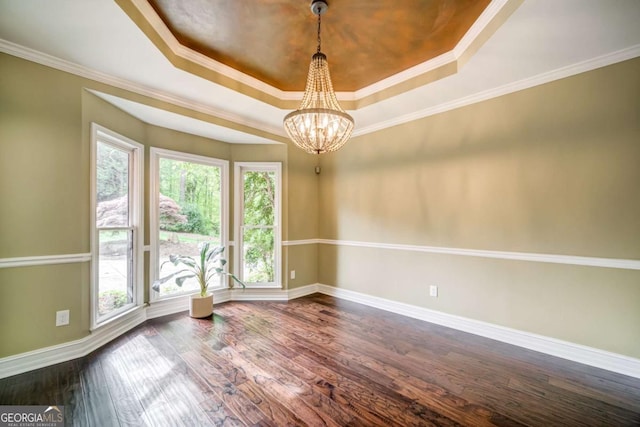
column 259, row 198
column 112, row 181
column 189, row 212
column 259, row 259
column 115, row 284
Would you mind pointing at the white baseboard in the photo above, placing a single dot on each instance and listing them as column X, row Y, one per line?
column 24, row 362
column 17, row 364
column 167, row 306
column 48, row 356
column 181, row 303
column 575, row 352
column 257, row 294
column 303, row 291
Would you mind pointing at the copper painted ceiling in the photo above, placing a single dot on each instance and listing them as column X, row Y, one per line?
column 365, row 40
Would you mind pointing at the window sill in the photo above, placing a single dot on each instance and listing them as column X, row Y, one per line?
column 135, row 314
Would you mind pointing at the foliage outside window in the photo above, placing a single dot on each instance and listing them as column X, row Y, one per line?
column 188, row 208
column 116, row 180
column 258, row 189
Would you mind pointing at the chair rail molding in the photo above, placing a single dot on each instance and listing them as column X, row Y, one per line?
column 625, row 264
column 44, row 260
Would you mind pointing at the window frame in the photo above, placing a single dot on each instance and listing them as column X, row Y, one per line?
column 136, row 222
column 154, row 217
column 238, row 194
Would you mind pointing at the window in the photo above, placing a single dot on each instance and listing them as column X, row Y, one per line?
column 188, row 206
column 116, row 245
column 258, row 247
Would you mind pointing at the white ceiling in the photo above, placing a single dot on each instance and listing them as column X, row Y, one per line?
column 542, row 41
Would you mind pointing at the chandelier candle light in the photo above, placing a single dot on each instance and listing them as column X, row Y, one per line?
column 319, row 125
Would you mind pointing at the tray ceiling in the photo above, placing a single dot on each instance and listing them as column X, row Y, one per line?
column 376, row 49
column 365, row 40
column 130, row 58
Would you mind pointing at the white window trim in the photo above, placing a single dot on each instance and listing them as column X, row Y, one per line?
column 154, row 217
column 238, row 195
column 137, row 222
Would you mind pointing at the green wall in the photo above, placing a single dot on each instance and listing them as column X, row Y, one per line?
column 554, row 169
column 43, row 167
column 551, row 170
column 45, row 131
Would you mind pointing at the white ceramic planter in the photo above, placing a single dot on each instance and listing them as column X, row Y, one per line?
column 200, row 307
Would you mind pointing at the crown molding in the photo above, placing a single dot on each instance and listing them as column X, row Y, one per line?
column 486, row 18
column 148, row 20
column 540, row 79
column 181, row 51
column 403, row 76
column 233, row 121
column 278, row 132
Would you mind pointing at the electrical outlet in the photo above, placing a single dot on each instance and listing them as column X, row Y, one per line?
column 433, row 291
column 62, row 318
column 293, row 274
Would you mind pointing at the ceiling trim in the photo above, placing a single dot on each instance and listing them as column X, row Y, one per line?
column 180, row 120
column 138, row 93
column 186, row 59
column 146, row 18
column 548, row 77
column 496, row 13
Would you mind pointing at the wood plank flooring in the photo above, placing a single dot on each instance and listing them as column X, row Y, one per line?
column 320, row 361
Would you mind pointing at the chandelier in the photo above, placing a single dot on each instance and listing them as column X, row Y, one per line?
column 319, row 125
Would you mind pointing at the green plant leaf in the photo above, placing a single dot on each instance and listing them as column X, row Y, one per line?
column 166, row 262
column 204, row 249
column 182, row 259
column 180, row 280
column 171, row 276
column 211, row 264
column 235, row 279
column 214, row 252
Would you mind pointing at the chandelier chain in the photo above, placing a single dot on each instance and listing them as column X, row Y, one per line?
column 319, row 15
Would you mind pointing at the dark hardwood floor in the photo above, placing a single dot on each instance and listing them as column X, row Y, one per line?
column 321, row 361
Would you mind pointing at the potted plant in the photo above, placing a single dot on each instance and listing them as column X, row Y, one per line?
column 209, row 265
